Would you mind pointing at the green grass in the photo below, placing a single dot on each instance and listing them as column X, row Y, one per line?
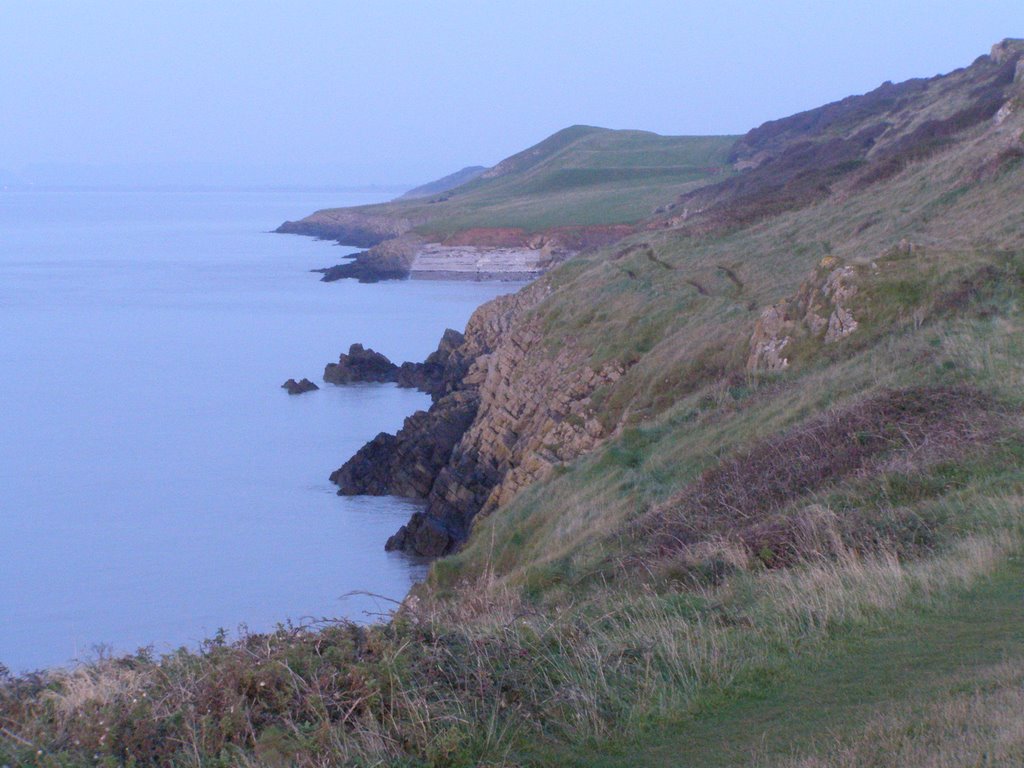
column 911, row 658
column 579, row 176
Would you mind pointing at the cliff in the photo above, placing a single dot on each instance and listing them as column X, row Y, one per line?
column 571, row 361
column 767, row 448
column 582, row 187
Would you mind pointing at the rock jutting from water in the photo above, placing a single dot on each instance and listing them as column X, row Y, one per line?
column 501, row 418
column 360, row 365
column 299, row 387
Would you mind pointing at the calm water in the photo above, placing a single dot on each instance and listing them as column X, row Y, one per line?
column 156, row 483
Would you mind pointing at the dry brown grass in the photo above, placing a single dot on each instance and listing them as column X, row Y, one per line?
column 980, row 727
column 465, row 681
column 739, row 499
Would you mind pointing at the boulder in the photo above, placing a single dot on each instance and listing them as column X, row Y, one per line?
column 360, row 365
column 298, row 387
column 422, row 536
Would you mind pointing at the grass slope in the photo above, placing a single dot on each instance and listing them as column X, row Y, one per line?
column 682, row 327
column 579, row 176
column 882, row 682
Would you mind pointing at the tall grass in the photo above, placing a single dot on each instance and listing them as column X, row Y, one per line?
column 956, row 729
column 460, row 682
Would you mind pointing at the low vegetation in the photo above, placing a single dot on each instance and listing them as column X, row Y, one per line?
column 486, row 679
column 975, row 723
column 596, row 626
column 580, row 176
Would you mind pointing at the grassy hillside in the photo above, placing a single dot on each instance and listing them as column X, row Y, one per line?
column 944, row 308
column 807, row 563
column 450, row 181
column 579, row 176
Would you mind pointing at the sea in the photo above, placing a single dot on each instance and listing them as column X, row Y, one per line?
column 157, row 485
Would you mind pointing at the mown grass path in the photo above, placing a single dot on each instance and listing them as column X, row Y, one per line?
column 908, row 660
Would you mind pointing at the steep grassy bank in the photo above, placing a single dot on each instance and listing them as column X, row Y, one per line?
column 675, row 320
column 580, row 176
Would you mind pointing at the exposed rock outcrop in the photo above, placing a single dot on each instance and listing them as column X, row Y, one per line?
column 535, row 413
column 388, row 260
column 407, row 463
column 439, row 375
column 443, row 370
column 360, row 365
column 299, row 387
column 820, row 309
column 506, row 411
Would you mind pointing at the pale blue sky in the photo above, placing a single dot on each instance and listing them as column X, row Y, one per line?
column 394, row 92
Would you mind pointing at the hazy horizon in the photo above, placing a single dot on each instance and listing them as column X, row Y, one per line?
column 393, row 95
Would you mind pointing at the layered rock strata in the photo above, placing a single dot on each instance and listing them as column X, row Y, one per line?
column 506, row 411
column 820, row 309
column 489, row 253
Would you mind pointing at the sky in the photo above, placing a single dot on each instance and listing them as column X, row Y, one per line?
column 397, row 93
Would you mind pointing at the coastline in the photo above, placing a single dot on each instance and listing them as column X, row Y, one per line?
column 225, row 439
column 394, row 252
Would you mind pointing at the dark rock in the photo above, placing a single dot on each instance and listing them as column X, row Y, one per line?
column 406, row 464
column 298, row 387
column 443, row 370
column 426, row 459
column 397, row 541
column 363, row 270
column 439, row 375
column 360, row 365
column 459, row 492
column 422, row 535
column 418, row 461
column 388, row 260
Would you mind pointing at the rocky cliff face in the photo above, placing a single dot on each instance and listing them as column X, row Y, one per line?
column 516, row 402
column 506, row 411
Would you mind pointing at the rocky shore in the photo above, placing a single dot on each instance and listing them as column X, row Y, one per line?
column 503, row 414
column 410, row 256
column 394, row 252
